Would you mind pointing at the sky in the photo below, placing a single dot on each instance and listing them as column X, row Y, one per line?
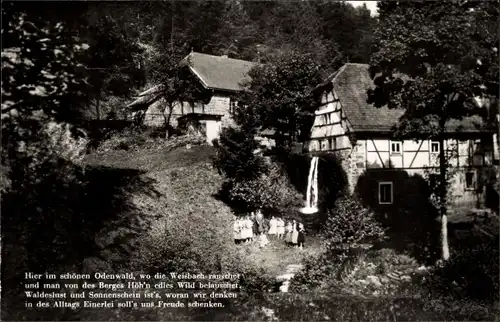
column 371, row 5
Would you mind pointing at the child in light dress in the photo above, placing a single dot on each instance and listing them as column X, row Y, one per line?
column 280, row 228
column 288, row 236
column 246, row 229
column 237, row 230
column 273, row 227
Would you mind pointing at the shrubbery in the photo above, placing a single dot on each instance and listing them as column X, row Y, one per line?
column 236, row 158
column 252, row 181
column 347, row 227
column 318, row 271
column 270, row 191
column 349, row 224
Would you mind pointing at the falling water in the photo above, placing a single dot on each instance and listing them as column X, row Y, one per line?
column 312, row 189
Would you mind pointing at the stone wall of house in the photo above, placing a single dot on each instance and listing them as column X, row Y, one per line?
column 353, row 163
column 219, row 105
column 460, row 197
column 155, row 117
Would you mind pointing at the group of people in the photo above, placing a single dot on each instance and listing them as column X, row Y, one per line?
column 255, row 227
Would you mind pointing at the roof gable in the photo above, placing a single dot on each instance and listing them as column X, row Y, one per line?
column 219, row 72
column 351, row 84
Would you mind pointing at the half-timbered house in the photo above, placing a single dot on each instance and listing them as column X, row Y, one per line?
column 362, row 134
column 219, row 76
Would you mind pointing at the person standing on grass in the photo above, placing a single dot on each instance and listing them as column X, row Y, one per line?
column 248, row 229
column 255, row 225
column 288, row 236
column 301, row 236
column 263, row 228
column 243, row 231
column 280, row 228
column 237, row 230
column 273, row 227
column 295, row 233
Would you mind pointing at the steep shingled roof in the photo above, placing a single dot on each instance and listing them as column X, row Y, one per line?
column 351, row 83
column 214, row 72
column 219, row 72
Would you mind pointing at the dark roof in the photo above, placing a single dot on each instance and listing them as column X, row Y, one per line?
column 219, row 72
column 214, row 72
column 351, row 84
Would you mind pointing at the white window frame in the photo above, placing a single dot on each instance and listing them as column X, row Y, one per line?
column 474, row 178
column 380, row 184
column 438, row 146
column 397, row 143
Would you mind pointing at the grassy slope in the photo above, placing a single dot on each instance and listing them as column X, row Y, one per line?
column 174, row 181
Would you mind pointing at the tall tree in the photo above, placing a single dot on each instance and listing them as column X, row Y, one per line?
column 433, row 60
column 348, row 28
column 113, row 60
column 42, row 79
column 237, row 34
column 279, row 97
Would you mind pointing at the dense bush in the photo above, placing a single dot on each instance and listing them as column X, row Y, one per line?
column 271, row 191
column 236, row 158
column 349, row 224
column 319, row 271
column 388, row 260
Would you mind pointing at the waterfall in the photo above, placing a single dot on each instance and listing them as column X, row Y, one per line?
column 314, row 188
column 311, row 206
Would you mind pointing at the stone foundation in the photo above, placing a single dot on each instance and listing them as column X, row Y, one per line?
column 353, row 163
